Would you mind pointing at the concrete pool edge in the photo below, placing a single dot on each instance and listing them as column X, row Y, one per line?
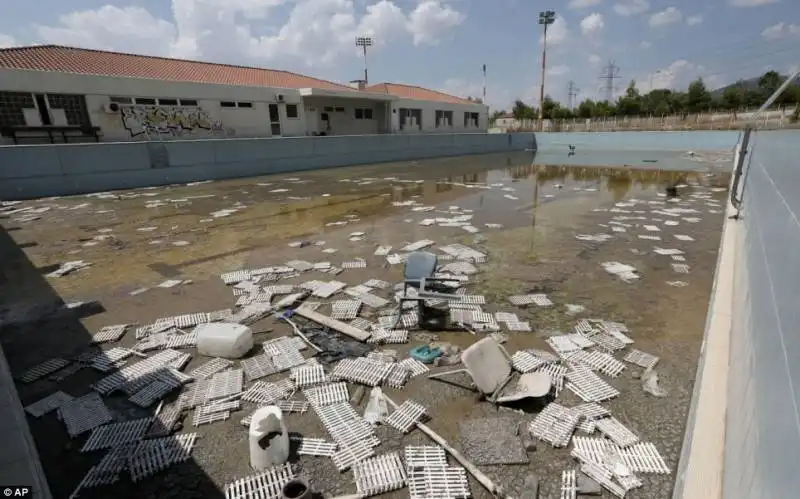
column 700, row 466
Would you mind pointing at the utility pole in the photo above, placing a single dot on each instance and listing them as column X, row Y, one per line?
column 484, row 84
column 610, row 74
column 364, row 42
column 572, row 93
column 546, row 18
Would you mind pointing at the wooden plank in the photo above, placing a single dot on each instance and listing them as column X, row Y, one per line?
column 342, row 327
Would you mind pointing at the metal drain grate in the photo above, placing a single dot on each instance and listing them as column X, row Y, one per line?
column 379, row 475
column 109, row 333
column 48, row 404
column 258, row 366
column 361, row 370
column 419, row 456
column 345, row 310
column 266, row 485
column 211, row 367
column 41, row 370
column 116, row 434
column 617, row 432
column 316, row 447
column 525, row 362
column 569, row 486
column 332, row 393
column 406, row 416
column 352, row 453
column 589, row 386
column 641, row 359
column 164, row 422
column 200, row 419
column 152, row 456
column 224, row 384
column 292, row 406
column 414, row 366
column 555, row 425
column 83, row 414
column 438, row 482
column 306, row 376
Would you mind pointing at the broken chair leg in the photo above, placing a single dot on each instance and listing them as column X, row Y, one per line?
column 488, row 484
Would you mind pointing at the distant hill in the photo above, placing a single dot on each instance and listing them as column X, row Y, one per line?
column 749, row 84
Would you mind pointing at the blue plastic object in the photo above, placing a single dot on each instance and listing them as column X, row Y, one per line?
column 425, row 354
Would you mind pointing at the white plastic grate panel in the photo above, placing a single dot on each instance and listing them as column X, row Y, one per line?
column 235, row 277
column 345, row 425
column 48, row 404
column 642, row 457
column 308, row 375
column 520, row 326
column 557, row 372
column 420, row 456
column 406, row 416
column 332, row 393
column 116, row 434
column 352, row 453
column 200, row 419
column 680, row 268
column 525, row 362
column 641, row 359
column 569, row 486
column 603, row 477
column 356, row 263
column 225, row 384
column 83, row 414
column 182, row 340
column 521, row 300
column 43, row 369
column 414, row 366
column 190, row 320
column 589, row 386
column 194, row 394
column 376, row 283
column 345, row 310
column 555, row 425
column 361, row 370
column 210, row 368
column 263, row 393
column 292, row 406
column 109, row 333
column 258, row 366
column 288, row 359
column 541, row 300
column 438, row 482
column 140, row 372
column 598, row 361
column 110, row 359
column 328, row 289
column 164, row 422
column 562, row 344
column 617, row 432
column 228, row 405
column 591, row 411
column 152, row 456
column 316, row 447
column 398, row 376
column 379, row 475
column 608, row 342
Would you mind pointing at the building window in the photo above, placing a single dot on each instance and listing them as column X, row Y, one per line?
column 338, row 109
column 120, row 100
column 475, row 118
column 364, row 113
column 167, row 102
column 226, row 103
column 11, row 108
column 328, row 109
column 145, row 101
column 292, row 111
column 74, row 107
column 410, row 118
column 188, row 102
column 444, row 119
column 245, row 105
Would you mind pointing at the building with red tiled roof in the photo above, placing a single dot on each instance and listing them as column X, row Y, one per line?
column 71, row 93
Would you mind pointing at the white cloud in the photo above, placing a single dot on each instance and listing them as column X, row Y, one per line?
column 645, row 44
column 751, row 3
column 677, row 76
column 694, row 20
column 558, row 70
column 497, row 97
column 556, row 32
column 594, row 59
column 667, row 16
column 316, row 32
column 7, row 41
column 780, row 30
column 582, row 4
column 592, row 23
column 631, row 7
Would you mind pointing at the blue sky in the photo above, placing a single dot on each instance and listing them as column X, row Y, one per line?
column 440, row 44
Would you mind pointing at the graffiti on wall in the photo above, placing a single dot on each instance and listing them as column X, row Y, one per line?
column 159, row 121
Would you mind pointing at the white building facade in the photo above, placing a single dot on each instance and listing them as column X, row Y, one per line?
column 73, row 106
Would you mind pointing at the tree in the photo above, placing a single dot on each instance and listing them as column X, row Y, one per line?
column 698, row 98
column 769, row 83
column 733, row 98
column 630, row 104
column 522, row 111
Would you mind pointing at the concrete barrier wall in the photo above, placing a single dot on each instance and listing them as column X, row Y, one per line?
column 638, row 141
column 762, row 447
column 57, row 170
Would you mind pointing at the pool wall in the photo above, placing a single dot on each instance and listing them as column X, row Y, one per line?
column 31, row 171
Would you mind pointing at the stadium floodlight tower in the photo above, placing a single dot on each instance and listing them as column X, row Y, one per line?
column 364, row 42
column 546, row 18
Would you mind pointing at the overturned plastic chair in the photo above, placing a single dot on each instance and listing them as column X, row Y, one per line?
column 489, row 366
column 418, row 275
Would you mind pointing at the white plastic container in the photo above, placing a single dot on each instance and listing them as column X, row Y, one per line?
column 269, row 440
column 224, row 339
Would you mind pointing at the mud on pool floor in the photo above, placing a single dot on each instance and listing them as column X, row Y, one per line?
column 545, row 236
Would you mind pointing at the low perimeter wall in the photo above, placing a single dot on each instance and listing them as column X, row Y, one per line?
column 31, row 171
column 638, row 141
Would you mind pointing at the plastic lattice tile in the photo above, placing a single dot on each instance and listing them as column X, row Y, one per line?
column 541, row 300
column 110, row 359
column 398, row 376
column 200, row 419
column 167, row 380
column 345, row 425
column 283, row 344
column 310, row 375
column 569, row 486
column 608, row 342
column 108, row 470
column 235, row 277
column 641, row 359
column 557, row 372
column 164, row 422
column 263, row 392
column 266, row 485
column 211, row 367
column 414, row 366
column 589, row 386
column 361, row 323
column 41, row 370
column 420, row 456
column 226, row 406
column 598, row 361
column 316, row 447
column 555, row 425
column 194, row 394
column 617, row 432
column 258, row 366
column 361, row 370
column 190, row 320
column 405, row 417
column 380, row 474
column 680, row 268
column 470, row 299
column 376, row 283
column 356, row 263
column 438, row 482
column 520, row 326
column 352, row 453
column 525, row 362
column 328, row 289
column 642, row 457
column 48, row 404
column 521, row 300
column 292, row 406
column 581, row 340
column 84, row 413
column 396, row 336
column 224, row 384
column 142, row 370
column 182, row 340
column 345, row 310
column 591, row 411
column 152, row 456
column 562, row 344
column 109, row 333
column 332, row 393
column 116, row 434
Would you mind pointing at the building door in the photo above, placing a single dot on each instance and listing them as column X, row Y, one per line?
column 274, row 120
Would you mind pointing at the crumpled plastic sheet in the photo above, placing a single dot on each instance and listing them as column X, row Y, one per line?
column 335, row 346
column 650, row 384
